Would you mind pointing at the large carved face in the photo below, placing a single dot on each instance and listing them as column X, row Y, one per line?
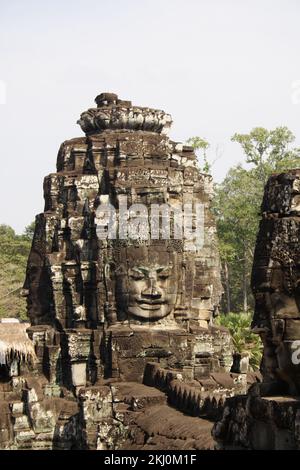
column 277, row 317
column 277, row 292
column 147, row 289
column 284, row 296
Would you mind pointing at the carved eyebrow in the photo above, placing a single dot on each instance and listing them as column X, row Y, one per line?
column 162, row 268
column 140, row 270
column 145, row 270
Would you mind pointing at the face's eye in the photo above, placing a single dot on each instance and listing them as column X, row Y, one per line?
column 137, row 276
column 164, row 274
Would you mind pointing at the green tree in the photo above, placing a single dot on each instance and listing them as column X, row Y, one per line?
column 237, row 206
column 29, row 230
column 244, row 341
column 6, row 231
column 268, row 151
column 201, row 145
column 14, row 250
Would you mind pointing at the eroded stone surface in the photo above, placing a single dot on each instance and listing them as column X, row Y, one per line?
column 268, row 418
column 102, row 309
column 276, row 283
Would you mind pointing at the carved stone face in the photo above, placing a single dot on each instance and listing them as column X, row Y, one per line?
column 277, row 311
column 148, row 289
column 284, row 292
column 277, row 293
column 150, row 292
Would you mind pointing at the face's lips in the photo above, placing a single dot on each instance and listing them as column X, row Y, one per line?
column 150, row 307
column 151, row 301
column 147, row 304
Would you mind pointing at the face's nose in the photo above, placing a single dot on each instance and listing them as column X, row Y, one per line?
column 152, row 290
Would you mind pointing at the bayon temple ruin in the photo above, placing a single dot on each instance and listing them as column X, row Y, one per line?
column 122, row 350
column 268, row 417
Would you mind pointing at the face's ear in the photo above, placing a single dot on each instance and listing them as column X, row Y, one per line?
column 109, row 278
column 107, row 272
column 109, row 283
column 110, row 271
column 120, row 270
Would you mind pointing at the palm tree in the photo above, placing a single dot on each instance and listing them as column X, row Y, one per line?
column 244, row 340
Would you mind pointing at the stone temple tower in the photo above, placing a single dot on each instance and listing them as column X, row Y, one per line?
column 121, row 304
column 95, row 289
column 269, row 416
column 75, row 280
column 89, row 288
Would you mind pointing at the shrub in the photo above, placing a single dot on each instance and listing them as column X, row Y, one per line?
column 243, row 339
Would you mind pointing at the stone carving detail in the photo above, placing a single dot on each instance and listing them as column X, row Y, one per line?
column 76, row 280
column 267, row 418
column 112, row 113
column 148, row 288
column 102, row 309
column 276, row 283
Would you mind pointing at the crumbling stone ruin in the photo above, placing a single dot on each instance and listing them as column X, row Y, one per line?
column 127, row 355
column 269, row 416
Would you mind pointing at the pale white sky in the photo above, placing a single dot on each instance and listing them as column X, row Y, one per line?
column 218, row 66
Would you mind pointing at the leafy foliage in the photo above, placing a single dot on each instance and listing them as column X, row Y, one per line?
column 243, row 339
column 237, row 206
column 29, row 231
column 14, row 250
column 268, row 150
column 201, row 145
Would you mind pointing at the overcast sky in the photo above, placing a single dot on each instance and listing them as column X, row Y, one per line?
column 218, row 66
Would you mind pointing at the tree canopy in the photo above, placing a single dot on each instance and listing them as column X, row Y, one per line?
column 237, row 206
column 14, row 250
